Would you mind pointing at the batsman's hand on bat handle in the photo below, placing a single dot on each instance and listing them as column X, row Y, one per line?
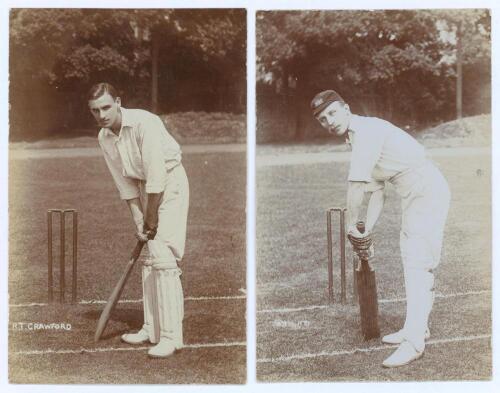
column 361, row 240
column 150, row 233
column 143, row 234
column 365, row 254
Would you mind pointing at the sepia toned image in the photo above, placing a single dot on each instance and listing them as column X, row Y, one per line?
column 127, row 195
column 373, row 195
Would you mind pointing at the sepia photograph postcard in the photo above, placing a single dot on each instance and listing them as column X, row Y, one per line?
column 373, row 195
column 249, row 196
column 127, row 196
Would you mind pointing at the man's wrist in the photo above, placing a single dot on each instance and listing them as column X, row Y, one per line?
column 150, row 233
column 150, row 226
column 139, row 223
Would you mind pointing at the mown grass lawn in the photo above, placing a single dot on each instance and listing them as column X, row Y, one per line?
column 214, row 265
column 292, row 273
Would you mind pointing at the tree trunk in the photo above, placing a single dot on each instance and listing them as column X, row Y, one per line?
column 286, row 101
column 154, row 73
column 297, row 109
column 459, row 72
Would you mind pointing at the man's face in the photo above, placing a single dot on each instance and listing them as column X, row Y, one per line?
column 106, row 111
column 335, row 118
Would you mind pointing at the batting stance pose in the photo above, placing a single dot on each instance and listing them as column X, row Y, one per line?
column 383, row 153
column 145, row 163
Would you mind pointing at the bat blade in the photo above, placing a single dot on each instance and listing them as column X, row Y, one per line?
column 368, row 301
column 117, row 291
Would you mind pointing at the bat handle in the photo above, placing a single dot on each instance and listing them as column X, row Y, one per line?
column 360, row 226
column 137, row 250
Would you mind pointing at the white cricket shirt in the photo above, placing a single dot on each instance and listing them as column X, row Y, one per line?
column 143, row 151
column 380, row 150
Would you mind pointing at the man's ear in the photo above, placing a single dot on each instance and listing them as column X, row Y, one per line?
column 118, row 101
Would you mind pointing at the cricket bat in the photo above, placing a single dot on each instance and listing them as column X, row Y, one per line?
column 367, row 295
column 117, row 291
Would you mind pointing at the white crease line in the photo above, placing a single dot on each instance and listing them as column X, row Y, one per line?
column 395, row 300
column 124, row 349
column 216, row 297
column 366, row 350
column 90, row 302
column 441, row 296
column 285, row 310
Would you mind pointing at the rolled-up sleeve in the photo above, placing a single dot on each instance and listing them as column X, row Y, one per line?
column 153, row 156
column 127, row 188
column 374, row 186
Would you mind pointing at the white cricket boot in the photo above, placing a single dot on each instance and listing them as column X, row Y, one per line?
column 150, row 331
column 140, row 337
column 405, row 354
column 163, row 349
column 398, row 337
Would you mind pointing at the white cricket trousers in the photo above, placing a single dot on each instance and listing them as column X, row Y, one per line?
column 425, row 203
column 162, row 290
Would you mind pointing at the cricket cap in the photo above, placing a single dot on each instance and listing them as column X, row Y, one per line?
column 323, row 99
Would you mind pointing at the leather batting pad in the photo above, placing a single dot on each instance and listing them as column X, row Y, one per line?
column 151, row 322
column 170, row 304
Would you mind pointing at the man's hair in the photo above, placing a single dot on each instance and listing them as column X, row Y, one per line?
column 100, row 89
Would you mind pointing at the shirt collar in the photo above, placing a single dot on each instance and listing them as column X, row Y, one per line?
column 348, row 137
column 107, row 133
column 126, row 118
column 354, row 125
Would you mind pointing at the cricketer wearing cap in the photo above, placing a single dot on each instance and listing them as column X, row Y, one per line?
column 145, row 164
column 383, row 153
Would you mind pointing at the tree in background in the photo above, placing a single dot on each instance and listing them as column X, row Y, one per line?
column 394, row 64
column 53, row 53
column 467, row 34
column 161, row 59
column 207, row 46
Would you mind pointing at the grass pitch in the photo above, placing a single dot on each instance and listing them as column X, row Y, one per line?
column 302, row 338
column 214, row 267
